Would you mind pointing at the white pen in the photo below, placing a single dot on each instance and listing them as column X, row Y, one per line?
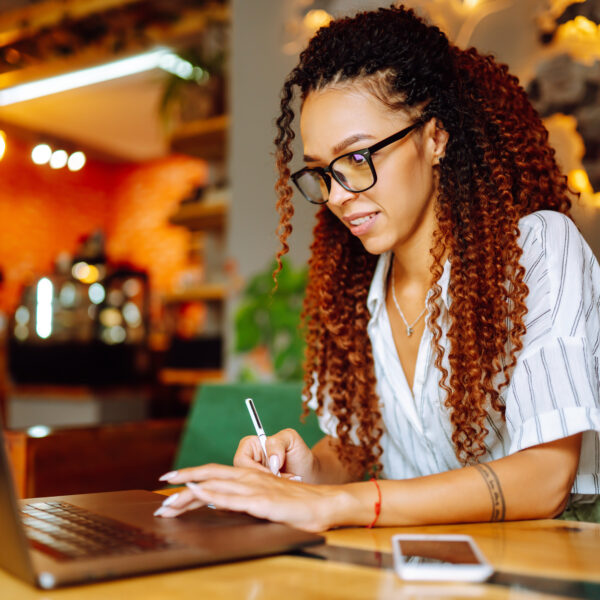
column 260, row 432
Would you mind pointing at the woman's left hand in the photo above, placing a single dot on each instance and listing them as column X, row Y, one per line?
column 304, row 506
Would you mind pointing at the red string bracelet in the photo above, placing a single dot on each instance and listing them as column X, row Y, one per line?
column 377, row 504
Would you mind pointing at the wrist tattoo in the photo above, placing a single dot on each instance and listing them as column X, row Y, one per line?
column 495, row 489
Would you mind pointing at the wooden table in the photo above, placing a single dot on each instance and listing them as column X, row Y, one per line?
column 555, row 549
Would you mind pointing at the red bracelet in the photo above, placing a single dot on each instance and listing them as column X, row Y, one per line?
column 377, row 504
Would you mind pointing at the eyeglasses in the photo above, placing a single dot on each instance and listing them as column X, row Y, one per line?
column 354, row 171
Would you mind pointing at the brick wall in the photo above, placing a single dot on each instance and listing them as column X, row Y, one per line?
column 44, row 212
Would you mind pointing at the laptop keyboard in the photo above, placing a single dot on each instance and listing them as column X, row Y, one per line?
column 68, row 532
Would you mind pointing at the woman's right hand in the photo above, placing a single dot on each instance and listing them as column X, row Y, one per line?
column 287, row 452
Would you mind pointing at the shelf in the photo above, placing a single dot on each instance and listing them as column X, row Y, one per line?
column 200, row 215
column 203, row 293
column 190, row 376
column 205, row 139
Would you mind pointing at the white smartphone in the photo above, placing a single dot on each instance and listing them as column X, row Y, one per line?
column 439, row 558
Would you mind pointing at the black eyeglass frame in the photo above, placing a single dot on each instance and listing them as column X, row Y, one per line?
column 327, row 172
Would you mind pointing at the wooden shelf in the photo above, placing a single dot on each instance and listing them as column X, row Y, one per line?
column 190, row 376
column 205, row 139
column 203, row 293
column 200, row 215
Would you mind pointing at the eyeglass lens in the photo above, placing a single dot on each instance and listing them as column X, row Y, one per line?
column 351, row 170
column 313, row 186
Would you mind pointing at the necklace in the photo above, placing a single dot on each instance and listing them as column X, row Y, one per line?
column 409, row 328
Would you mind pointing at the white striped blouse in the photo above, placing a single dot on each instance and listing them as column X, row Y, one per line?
column 554, row 389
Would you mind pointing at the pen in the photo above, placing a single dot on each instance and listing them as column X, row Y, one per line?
column 260, row 432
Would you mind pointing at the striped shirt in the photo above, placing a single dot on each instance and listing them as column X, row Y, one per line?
column 554, row 389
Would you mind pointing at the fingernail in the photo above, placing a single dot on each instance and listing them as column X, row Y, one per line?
column 296, row 478
column 170, row 500
column 193, row 486
column 274, row 464
column 167, row 476
column 160, row 511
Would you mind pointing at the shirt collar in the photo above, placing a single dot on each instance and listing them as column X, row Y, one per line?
column 376, row 297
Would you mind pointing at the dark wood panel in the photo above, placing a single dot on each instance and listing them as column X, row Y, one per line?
column 94, row 459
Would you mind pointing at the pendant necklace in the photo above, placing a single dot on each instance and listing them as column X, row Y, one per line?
column 409, row 328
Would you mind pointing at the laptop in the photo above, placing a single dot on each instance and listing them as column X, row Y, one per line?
column 76, row 539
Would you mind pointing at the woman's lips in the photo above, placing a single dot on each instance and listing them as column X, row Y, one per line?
column 359, row 224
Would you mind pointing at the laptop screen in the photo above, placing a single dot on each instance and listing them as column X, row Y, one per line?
column 14, row 547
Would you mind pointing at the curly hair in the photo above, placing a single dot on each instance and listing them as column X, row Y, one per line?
column 497, row 168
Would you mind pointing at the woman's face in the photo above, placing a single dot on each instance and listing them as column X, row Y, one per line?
column 397, row 212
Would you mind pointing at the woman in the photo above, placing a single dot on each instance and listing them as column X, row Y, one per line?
column 452, row 311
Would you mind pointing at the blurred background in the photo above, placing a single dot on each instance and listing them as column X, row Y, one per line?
column 137, row 208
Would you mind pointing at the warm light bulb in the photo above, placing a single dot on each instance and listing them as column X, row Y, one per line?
column 85, row 273
column 316, row 18
column 41, row 154
column 80, row 270
column 580, row 182
column 92, row 276
column 76, row 161
column 2, row 144
column 471, row 3
column 579, row 29
column 584, row 26
column 58, row 159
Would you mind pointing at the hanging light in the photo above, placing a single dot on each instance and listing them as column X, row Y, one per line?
column 41, row 154
column 76, row 161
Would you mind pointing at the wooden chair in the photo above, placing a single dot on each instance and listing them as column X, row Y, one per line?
column 93, row 459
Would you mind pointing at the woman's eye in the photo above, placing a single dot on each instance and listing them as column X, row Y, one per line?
column 357, row 159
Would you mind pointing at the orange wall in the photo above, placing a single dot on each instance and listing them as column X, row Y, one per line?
column 44, row 212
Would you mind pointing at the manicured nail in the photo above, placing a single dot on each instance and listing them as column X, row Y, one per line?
column 160, row 511
column 193, row 486
column 274, row 464
column 167, row 476
column 296, row 478
column 170, row 500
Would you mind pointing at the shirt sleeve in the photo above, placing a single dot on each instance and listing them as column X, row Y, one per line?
column 327, row 422
column 554, row 389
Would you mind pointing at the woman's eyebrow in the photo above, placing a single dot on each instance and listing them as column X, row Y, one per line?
column 357, row 137
column 338, row 148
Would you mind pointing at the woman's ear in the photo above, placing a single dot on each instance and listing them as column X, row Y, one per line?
column 438, row 138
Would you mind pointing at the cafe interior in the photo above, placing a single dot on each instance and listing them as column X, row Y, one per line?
column 138, row 222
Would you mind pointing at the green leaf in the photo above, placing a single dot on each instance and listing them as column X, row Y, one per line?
column 271, row 318
column 248, row 334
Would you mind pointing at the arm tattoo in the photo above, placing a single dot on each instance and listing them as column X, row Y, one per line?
column 495, row 489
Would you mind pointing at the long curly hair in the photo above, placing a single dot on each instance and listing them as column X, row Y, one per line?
column 497, row 168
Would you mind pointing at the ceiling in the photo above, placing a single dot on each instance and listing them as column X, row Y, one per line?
column 117, row 120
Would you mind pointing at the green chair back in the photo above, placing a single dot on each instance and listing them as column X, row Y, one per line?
column 219, row 419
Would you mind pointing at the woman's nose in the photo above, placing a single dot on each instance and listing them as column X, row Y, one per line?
column 338, row 195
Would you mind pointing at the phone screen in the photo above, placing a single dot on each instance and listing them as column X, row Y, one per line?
column 440, row 552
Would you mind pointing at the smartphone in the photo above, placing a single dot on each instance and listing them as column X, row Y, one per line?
column 439, row 558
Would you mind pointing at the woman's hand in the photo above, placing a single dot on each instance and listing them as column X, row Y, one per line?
column 259, row 493
column 287, row 452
